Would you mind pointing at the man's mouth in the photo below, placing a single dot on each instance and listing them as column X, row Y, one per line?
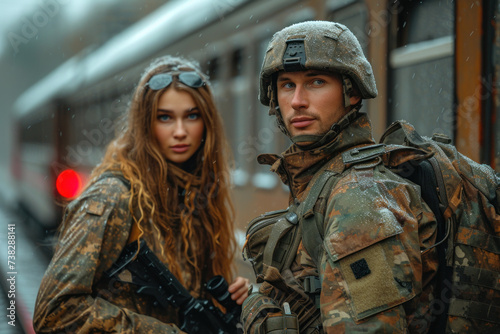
column 301, row 121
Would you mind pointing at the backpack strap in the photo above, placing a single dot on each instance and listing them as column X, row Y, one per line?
column 286, row 234
column 277, row 245
column 313, row 234
column 311, row 224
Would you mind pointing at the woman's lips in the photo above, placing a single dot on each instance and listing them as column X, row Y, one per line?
column 180, row 148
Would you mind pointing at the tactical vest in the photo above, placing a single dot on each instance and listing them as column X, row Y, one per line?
column 463, row 195
column 271, row 245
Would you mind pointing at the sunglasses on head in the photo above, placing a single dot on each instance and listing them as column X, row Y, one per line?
column 162, row 80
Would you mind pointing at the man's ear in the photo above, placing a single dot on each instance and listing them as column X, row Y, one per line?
column 354, row 99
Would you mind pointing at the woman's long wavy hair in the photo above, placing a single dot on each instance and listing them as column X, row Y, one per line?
column 159, row 197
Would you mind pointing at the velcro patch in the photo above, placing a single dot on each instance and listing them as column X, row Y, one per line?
column 376, row 291
column 95, row 207
column 360, row 268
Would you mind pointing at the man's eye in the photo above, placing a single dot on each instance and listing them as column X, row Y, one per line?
column 318, row 82
column 287, row 85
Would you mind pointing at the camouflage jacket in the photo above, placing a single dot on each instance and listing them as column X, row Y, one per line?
column 75, row 296
column 372, row 273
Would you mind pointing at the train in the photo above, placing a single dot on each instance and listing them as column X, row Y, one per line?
column 436, row 63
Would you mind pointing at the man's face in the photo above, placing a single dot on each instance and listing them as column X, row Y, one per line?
column 311, row 101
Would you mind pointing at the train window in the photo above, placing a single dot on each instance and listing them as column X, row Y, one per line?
column 268, row 138
column 37, row 137
column 87, row 127
column 304, row 14
column 421, row 65
column 236, row 63
column 38, row 130
column 355, row 17
column 419, row 21
column 213, row 69
column 241, row 117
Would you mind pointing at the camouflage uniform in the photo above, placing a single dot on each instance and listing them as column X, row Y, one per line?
column 373, row 276
column 75, row 296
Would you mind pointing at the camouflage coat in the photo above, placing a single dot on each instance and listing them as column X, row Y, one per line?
column 75, row 296
column 372, row 273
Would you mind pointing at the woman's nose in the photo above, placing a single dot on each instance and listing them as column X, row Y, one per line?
column 180, row 129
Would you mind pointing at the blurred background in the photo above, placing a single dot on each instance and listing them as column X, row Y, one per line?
column 68, row 68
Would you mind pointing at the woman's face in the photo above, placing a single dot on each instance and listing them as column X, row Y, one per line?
column 178, row 126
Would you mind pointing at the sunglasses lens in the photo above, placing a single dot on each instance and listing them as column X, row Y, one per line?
column 160, row 81
column 191, row 79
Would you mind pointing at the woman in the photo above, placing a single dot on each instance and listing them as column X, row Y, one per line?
column 163, row 180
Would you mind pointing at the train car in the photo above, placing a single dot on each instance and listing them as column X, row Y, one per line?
column 436, row 63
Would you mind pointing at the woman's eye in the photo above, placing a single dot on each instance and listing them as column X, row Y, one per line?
column 163, row 118
column 193, row 116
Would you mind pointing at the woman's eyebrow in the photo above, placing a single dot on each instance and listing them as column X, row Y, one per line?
column 164, row 110
column 185, row 111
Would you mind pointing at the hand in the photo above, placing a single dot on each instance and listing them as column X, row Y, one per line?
column 239, row 289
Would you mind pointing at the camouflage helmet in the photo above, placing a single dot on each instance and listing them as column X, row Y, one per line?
column 320, row 45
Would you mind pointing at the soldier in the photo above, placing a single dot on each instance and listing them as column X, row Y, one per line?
column 365, row 272
column 164, row 179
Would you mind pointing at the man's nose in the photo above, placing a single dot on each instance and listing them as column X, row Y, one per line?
column 299, row 99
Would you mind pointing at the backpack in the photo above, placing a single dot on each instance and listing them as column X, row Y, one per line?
column 465, row 198
column 463, row 195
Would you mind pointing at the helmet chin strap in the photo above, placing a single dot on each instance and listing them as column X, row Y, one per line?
column 274, row 109
column 314, row 141
column 347, row 90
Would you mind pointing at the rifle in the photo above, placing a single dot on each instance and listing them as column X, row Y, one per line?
column 197, row 315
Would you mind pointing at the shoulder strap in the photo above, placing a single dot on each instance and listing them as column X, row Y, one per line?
column 311, row 222
column 286, row 234
column 279, row 244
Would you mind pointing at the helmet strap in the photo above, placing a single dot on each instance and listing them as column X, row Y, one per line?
column 347, row 89
column 274, row 109
column 320, row 140
column 272, row 101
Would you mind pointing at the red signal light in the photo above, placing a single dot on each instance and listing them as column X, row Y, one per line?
column 68, row 183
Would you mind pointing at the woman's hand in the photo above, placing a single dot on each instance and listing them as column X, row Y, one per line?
column 239, row 289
